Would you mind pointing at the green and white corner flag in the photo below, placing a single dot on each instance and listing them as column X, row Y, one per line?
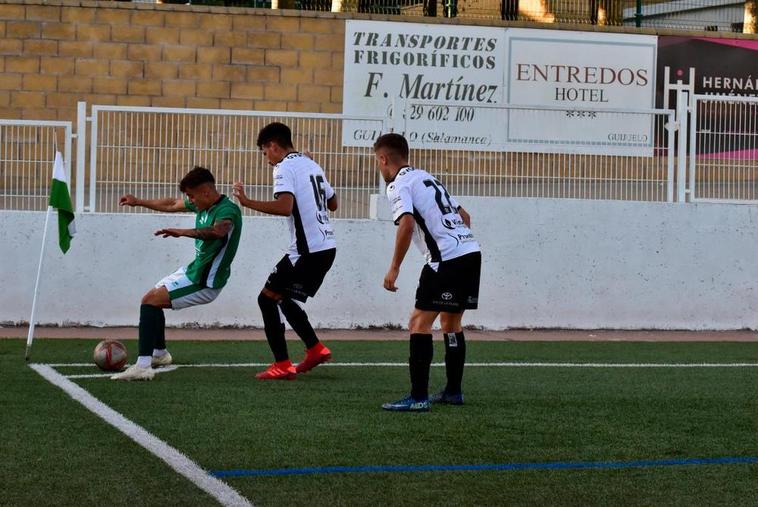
column 60, row 199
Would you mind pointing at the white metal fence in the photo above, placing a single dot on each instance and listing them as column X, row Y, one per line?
column 723, row 150
column 543, row 151
column 146, row 151
column 27, row 152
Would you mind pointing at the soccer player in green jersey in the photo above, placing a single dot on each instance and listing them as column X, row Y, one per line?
column 218, row 224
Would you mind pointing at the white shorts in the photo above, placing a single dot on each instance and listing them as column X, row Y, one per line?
column 184, row 293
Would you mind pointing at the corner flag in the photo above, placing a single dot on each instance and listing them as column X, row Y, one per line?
column 60, row 199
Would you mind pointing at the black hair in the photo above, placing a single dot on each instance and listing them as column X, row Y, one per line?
column 196, row 177
column 276, row 132
column 394, row 143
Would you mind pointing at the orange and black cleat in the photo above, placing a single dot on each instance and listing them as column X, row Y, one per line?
column 313, row 357
column 281, row 370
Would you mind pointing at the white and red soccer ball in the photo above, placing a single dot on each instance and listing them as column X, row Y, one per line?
column 110, row 355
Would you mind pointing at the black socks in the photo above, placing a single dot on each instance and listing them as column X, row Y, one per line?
column 298, row 319
column 419, row 362
column 455, row 358
column 152, row 329
column 273, row 327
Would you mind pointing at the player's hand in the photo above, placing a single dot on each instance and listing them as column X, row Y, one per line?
column 390, row 278
column 169, row 233
column 128, row 200
column 238, row 191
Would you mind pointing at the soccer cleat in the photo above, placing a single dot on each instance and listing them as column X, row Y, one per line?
column 408, row 404
column 314, row 357
column 282, row 370
column 134, row 372
column 164, row 360
column 444, row 398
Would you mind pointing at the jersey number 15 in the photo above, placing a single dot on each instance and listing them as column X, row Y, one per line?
column 319, row 192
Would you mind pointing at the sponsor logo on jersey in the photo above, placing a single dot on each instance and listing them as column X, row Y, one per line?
column 322, row 218
column 452, row 222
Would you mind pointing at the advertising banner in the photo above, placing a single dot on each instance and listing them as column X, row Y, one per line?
column 434, row 74
column 577, row 74
column 723, row 67
column 498, row 89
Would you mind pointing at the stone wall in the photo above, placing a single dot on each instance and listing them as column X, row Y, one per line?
column 53, row 55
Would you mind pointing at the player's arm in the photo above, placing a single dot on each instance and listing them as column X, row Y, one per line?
column 167, row 205
column 465, row 217
column 332, row 204
column 403, row 238
column 216, row 231
column 281, row 206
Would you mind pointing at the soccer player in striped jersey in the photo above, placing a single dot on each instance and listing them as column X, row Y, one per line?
column 218, row 225
column 428, row 215
column 303, row 195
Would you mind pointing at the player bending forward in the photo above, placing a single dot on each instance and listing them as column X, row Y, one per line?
column 301, row 193
column 218, row 224
column 449, row 284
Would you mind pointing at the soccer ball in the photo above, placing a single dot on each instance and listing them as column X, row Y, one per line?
column 110, row 355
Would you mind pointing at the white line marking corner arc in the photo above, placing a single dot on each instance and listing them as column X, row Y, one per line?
column 225, row 494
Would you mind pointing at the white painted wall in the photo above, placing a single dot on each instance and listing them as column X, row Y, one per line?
column 547, row 263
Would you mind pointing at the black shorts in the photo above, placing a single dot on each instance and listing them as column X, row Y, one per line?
column 454, row 287
column 304, row 278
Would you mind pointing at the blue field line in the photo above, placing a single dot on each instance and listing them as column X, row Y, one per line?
column 556, row 465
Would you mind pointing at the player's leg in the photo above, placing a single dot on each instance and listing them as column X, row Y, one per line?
column 421, row 348
column 421, row 351
column 151, row 329
column 268, row 301
column 161, row 355
column 175, row 291
column 462, row 283
column 152, row 325
column 315, row 351
column 308, row 275
column 419, row 363
column 455, row 358
column 282, row 368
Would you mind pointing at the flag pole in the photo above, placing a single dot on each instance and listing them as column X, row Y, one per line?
column 32, row 319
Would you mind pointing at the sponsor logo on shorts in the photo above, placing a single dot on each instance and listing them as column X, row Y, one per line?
column 447, row 296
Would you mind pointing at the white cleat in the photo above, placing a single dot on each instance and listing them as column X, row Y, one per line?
column 163, row 360
column 134, row 372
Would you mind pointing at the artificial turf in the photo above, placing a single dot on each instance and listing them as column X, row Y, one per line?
column 53, row 451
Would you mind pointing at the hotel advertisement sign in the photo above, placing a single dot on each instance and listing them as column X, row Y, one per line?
column 465, row 88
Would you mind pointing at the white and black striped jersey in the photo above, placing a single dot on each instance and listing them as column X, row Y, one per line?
column 309, row 223
column 440, row 233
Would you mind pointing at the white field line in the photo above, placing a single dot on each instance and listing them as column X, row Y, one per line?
column 468, row 365
column 164, row 369
column 219, row 490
